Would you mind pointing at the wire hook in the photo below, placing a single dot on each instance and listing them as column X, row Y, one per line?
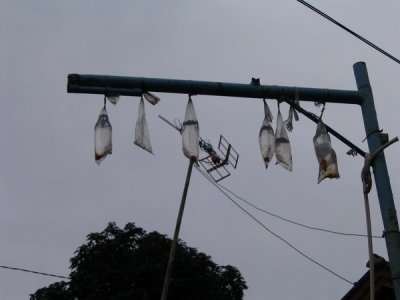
column 322, row 110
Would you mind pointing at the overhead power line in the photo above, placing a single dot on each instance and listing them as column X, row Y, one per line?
column 221, row 189
column 349, row 31
column 34, row 272
column 270, row 231
column 294, row 222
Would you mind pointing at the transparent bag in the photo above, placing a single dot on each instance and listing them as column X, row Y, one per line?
column 153, row 99
column 113, row 98
column 190, row 133
column 266, row 137
column 292, row 112
column 142, row 137
column 102, row 136
column 283, row 151
column 326, row 156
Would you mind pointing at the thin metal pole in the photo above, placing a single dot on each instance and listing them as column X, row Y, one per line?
column 381, row 176
column 370, row 250
column 171, row 258
column 367, row 184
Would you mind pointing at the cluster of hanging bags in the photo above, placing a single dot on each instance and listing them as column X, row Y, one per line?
column 103, row 128
column 271, row 143
column 278, row 143
column 274, row 143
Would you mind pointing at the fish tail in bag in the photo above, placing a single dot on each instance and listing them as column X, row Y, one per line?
column 266, row 137
column 326, row 156
column 102, row 136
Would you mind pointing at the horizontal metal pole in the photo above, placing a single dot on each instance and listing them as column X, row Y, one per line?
column 103, row 90
column 131, row 86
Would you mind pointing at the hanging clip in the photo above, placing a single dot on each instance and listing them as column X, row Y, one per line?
column 178, row 125
column 371, row 133
column 352, row 152
column 369, row 161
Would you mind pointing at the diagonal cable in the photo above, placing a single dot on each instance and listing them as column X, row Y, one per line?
column 34, row 272
column 270, row 231
column 349, row 31
column 291, row 221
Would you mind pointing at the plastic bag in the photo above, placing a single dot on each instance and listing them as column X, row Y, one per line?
column 190, row 133
column 102, row 136
column 326, row 156
column 113, row 98
column 142, row 137
column 153, row 99
column 283, row 151
column 292, row 113
column 266, row 137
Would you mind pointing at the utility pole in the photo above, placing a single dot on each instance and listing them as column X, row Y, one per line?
column 168, row 273
column 135, row 86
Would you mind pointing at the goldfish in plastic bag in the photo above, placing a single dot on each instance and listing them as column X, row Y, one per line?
column 283, row 151
column 266, row 137
column 102, row 136
column 326, row 156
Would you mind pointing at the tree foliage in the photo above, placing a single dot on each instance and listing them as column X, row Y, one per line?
column 130, row 263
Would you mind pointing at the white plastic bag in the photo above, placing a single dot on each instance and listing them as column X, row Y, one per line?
column 102, row 136
column 142, row 137
column 190, row 133
column 283, row 151
column 326, row 156
column 266, row 137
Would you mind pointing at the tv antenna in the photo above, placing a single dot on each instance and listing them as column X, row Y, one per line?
column 216, row 163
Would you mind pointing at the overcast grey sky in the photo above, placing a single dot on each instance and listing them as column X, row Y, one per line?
column 53, row 193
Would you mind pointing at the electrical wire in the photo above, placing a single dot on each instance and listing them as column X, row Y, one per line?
column 349, row 31
column 270, row 231
column 221, row 189
column 34, row 272
column 293, row 222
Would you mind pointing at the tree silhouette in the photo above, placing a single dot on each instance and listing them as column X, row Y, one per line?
column 130, row 263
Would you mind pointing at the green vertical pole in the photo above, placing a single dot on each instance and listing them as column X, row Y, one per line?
column 381, row 176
